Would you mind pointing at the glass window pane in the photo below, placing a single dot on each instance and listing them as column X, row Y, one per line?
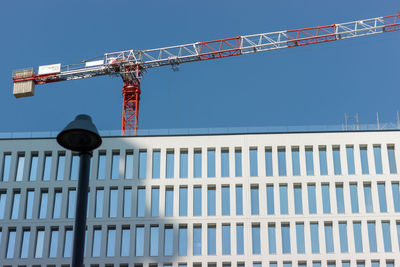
column 113, row 203
column 285, row 231
column 396, row 196
column 43, row 204
column 322, row 161
column 74, row 168
column 68, row 243
column 255, row 238
column 111, row 242
column 382, row 197
column 326, row 202
column 33, row 169
column 182, row 241
column 300, row 238
column 354, row 198
column 268, row 162
column 197, row 240
column 392, row 159
column 156, row 164
column 270, row 199
column 225, row 200
column 169, row 201
column 337, row 168
column 272, row 239
column 238, row 162
column 47, row 167
column 168, row 241
column 6, row 167
column 368, row 198
column 239, row 239
column 314, row 237
column 170, row 164
column 129, row 166
column 154, row 234
column 254, row 201
column 11, row 244
column 295, row 161
column 343, row 237
column 141, row 204
column 96, row 245
column 364, row 160
column 387, row 242
column 127, row 202
column 211, row 163
column 15, row 206
column 329, row 238
column 211, row 201
column 99, row 203
column 298, row 200
column 155, row 201
column 3, row 205
column 101, row 174
column 53, row 243
column 253, row 162
column 115, row 166
column 224, row 163
column 139, row 244
column 60, row 167
column 183, row 164
column 39, row 244
column 378, row 159
column 350, row 159
column 226, row 239
column 357, row 236
column 29, row 204
column 125, row 242
column 71, row 203
column 309, row 161
column 20, row 167
column 25, row 243
column 339, row 198
column 142, row 164
column 372, row 237
column 211, row 240
column 312, row 205
column 197, row 201
column 283, row 199
column 239, row 200
column 197, row 164
column 282, row 161
column 183, row 198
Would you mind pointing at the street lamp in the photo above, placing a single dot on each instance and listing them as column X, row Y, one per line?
column 81, row 136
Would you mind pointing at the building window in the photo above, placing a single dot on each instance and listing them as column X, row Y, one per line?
column 26, row 233
column 239, row 200
column 350, row 159
column 254, row 200
column 314, row 237
column 285, row 233
column 300, row 238
column 156, row 164
column 43, row 204
column 29, row 204
column 339, row 198
column 337, row 168
column 125, row 242
column 323, row 168
column 71, row 203
column 99, row 203
column 154, row 234
column 16, row 204
column 197, row 163
column 211, row 240
column 211, row 162
column 357, row 236
column 283, row 199
column 239, row 239
column 378, row 159
column 183, row 163
column 387, row 242
column 281, row 161
column 364, row 159
column 115, row 165
column 354, row 198
column 47, row 167
column 238, row 162
column 101, row 170
column 20, row 167
column 372, row 236
column 6, row 167
column 141, row 204
column 155, row 201
column 396, row 197
column 225, row 200
column 309, row 161
column 368, row 198
column 113, row 207
column 183, row 198
column 298, row 199
column 382, row 197
column 53, row 243
column 169, row 201
column 271, row 238
column 224, row 162
column 142, row 164
column 253, row 162
column 33, row 167
column 329, row 238
column 39, row 243
column 169, row 170
column 68, row 243
column 392, row 159
column 344, row 247
column 197, row 201
column 182, row 241
column 326, row 199
column 3, row 196
column 211, row 201
column 129, row 165
column 139, row 244
column 295, row 161
column 197, row 240
column 60, row 166
column 127, row 202
column 74, row 168
column 270, row 199
column 226, row 239
column 96, row 245
column 255, row 238
column 111, row 242
column 11, row 244
column 312, row 204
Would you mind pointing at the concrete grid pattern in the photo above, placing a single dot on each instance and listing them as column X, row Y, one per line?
column 356, row 221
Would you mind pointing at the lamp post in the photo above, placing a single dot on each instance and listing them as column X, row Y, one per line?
column 81, row 136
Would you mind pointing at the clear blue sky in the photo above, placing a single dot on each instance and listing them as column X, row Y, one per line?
column 310, row 85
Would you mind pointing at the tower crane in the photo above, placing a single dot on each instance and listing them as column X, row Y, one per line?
column 131, row 64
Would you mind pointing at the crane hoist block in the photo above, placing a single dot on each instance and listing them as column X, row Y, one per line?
column 26, row 87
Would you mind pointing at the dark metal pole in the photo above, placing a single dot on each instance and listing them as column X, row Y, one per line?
column 81, row 209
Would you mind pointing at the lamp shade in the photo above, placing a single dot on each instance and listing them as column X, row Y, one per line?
column 80, row 135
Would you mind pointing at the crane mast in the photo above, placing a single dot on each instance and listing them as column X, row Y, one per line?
column 130, row 64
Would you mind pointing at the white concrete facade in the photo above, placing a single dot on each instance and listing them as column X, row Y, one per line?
column 376, row 219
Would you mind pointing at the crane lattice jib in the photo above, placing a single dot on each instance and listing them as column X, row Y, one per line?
column 122, row 63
